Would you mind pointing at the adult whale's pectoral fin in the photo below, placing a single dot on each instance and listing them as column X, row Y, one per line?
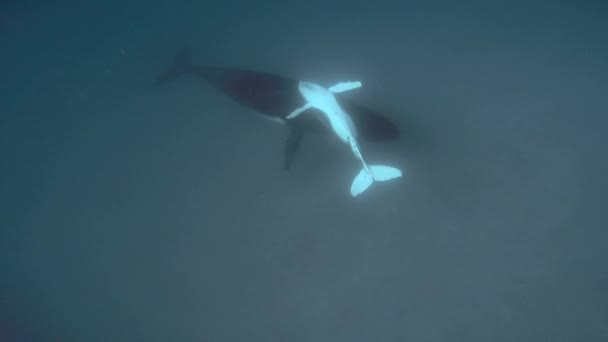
column 344, row 86
column 292, row 146
column 299, row 111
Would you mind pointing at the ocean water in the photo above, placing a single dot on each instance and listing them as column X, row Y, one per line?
column 130, row 212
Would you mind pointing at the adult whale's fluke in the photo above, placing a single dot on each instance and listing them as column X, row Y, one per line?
column 274, row 97
column 181, row 64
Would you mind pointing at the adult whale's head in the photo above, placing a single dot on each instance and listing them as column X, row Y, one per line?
column 371, row 125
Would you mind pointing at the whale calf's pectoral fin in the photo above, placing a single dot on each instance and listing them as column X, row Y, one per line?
column 344, row 86
column 299, row 111
column 292, row 146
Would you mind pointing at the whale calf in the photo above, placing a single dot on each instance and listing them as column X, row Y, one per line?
column 341, row 124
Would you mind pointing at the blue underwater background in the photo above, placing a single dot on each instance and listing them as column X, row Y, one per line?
column 130, row 212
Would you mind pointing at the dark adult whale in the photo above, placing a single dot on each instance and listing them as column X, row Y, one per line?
column 275, row 97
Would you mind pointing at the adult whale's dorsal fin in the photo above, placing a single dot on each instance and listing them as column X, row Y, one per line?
column 292, row 146
column 299, row 111
column 344, row 86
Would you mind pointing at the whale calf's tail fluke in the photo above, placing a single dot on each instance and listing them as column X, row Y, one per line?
column 367, row 176
column 181, row 64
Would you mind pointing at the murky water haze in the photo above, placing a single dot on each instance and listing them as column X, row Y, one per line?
column 138, row 213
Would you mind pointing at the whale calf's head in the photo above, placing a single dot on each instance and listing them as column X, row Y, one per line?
column 315, row 94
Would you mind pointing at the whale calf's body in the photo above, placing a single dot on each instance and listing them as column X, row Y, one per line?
column 340, row 122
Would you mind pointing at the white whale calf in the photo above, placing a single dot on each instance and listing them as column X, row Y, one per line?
column 323, row 99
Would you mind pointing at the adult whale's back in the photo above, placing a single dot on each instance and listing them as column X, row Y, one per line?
column 276, row 96
column 266, row 93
